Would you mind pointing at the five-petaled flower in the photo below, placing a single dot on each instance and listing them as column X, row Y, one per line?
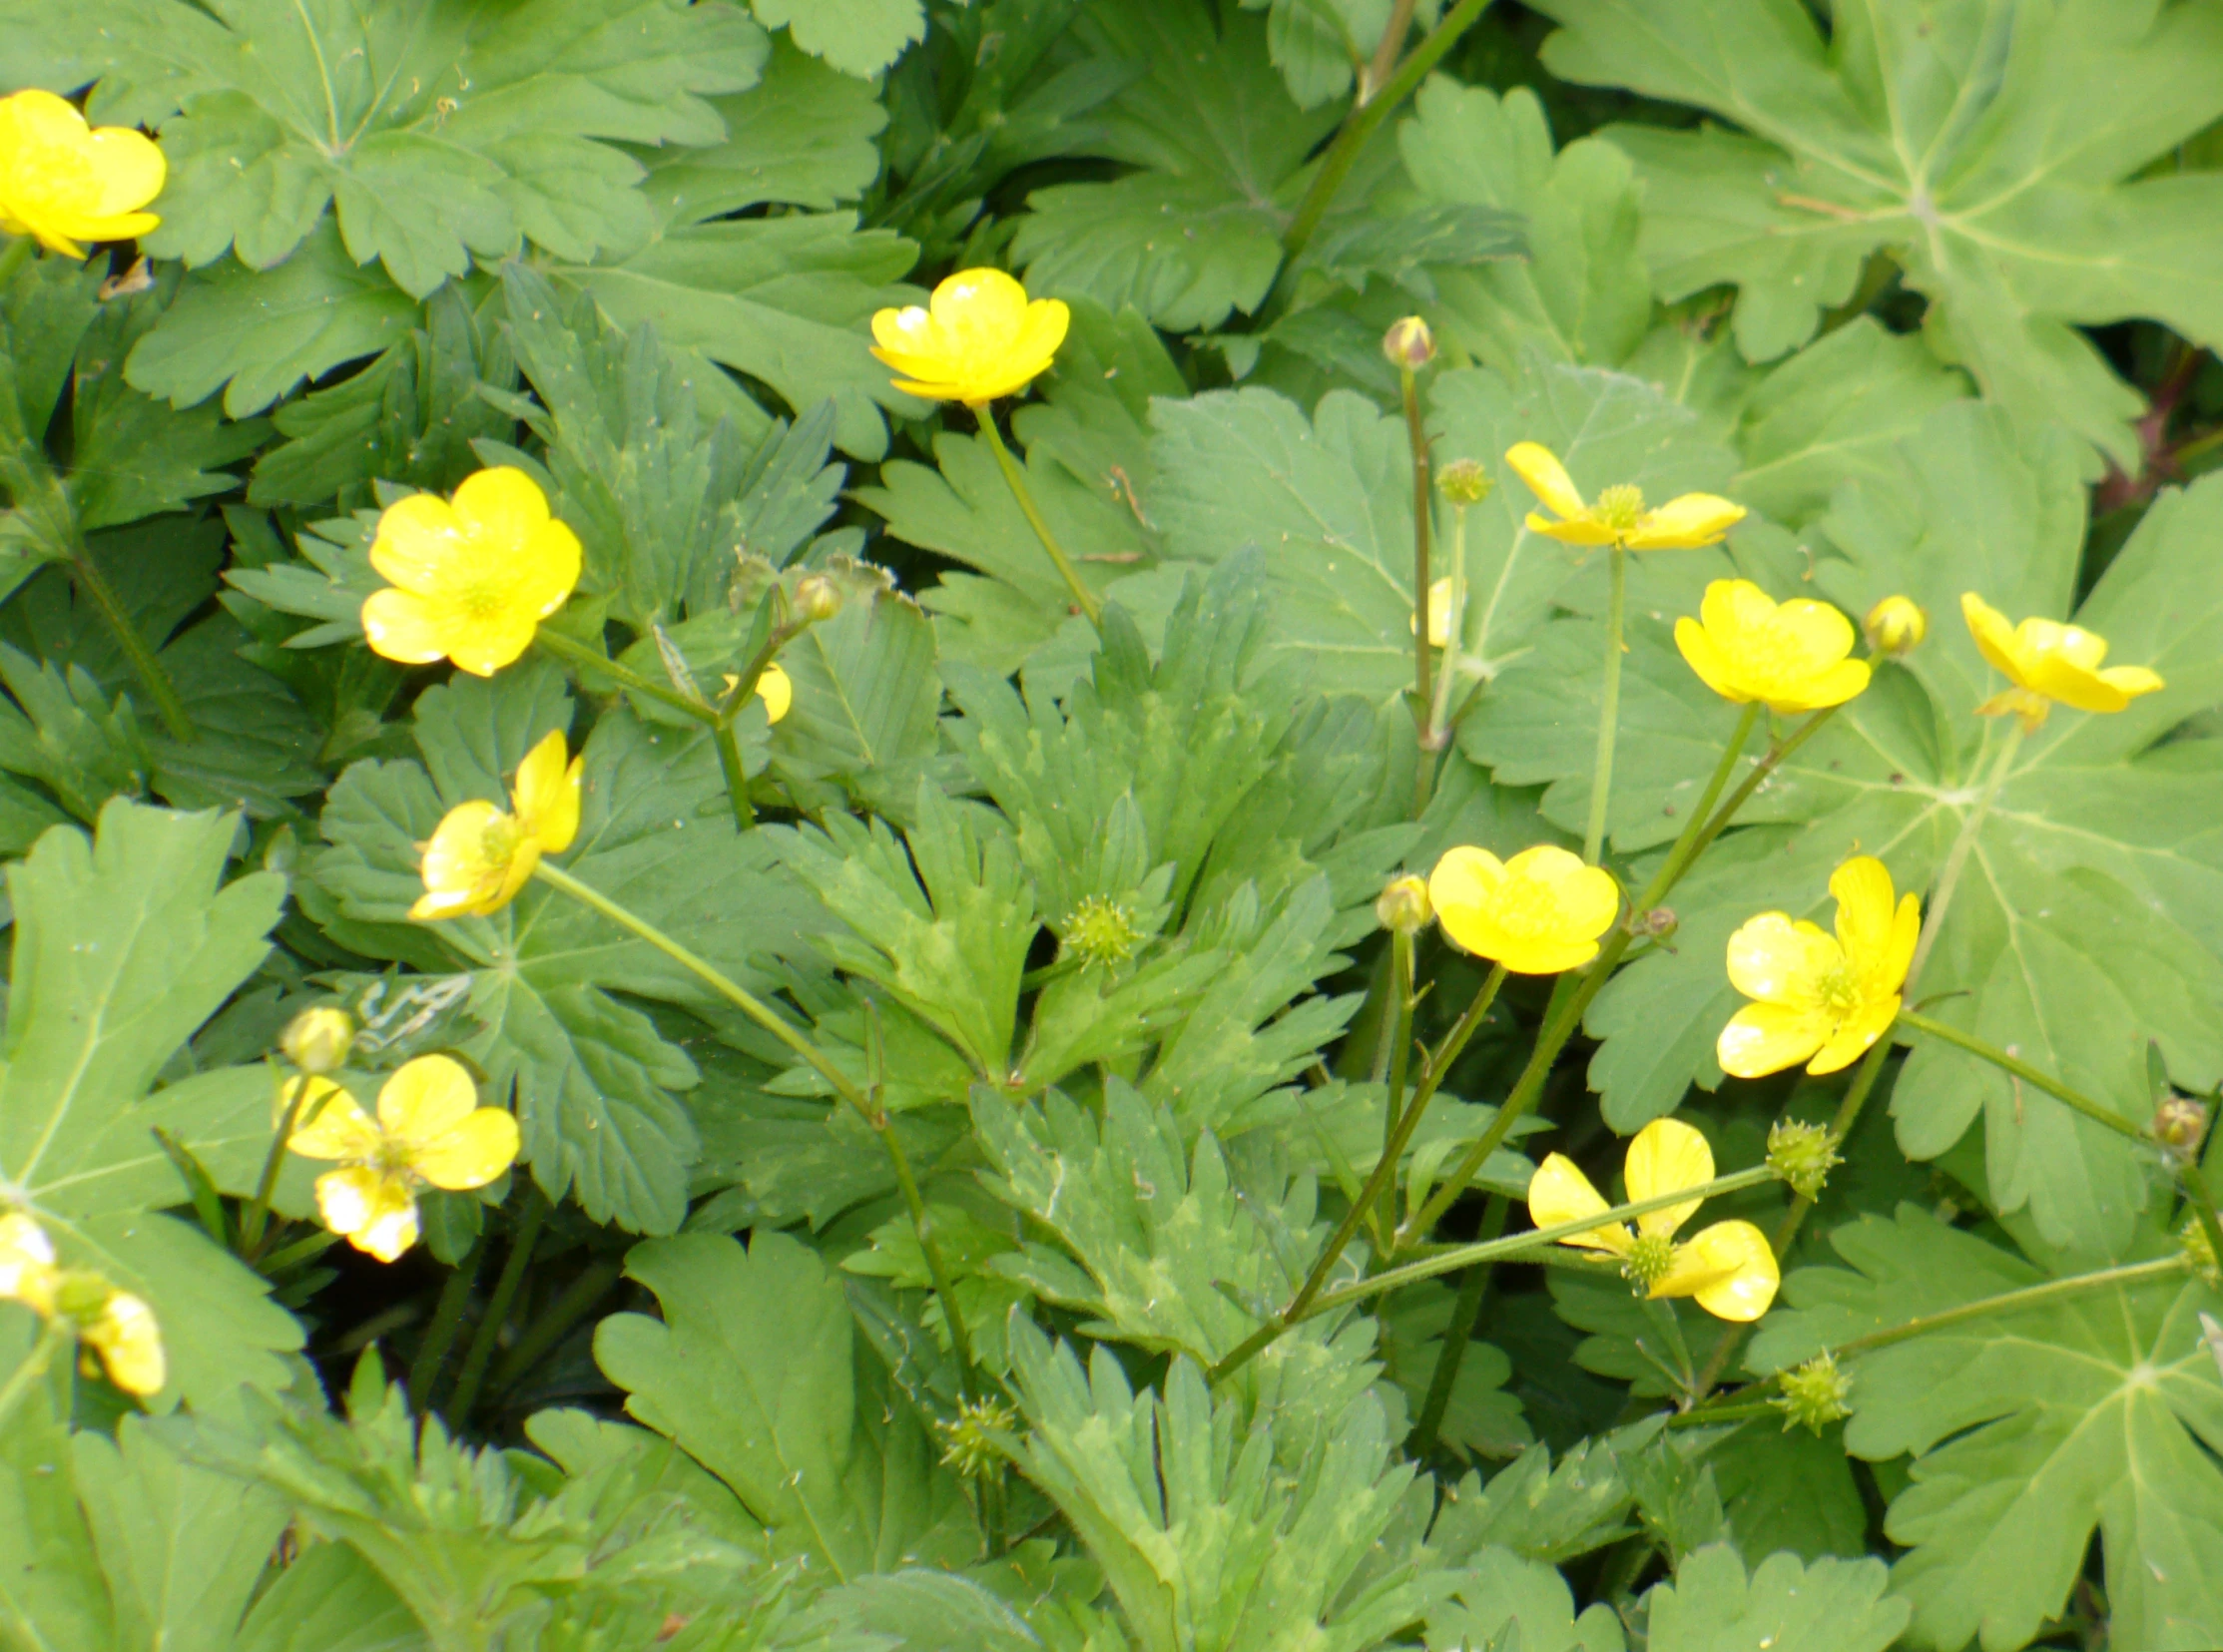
column 1538, row 913
column 472, row 578
column 1818, row 995
column 1617, row 516
column 1790, row 656
column 480, row 856
column 66, row 183
column 117, row 1326
column 2046, row 661
column 976, row 338
column 1729, row 1266
column 430, row 1132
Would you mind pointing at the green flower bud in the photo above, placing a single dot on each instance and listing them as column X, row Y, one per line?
column 317, row 1040
column 1896, row 626
column 1466, row 482
column 817, row 597
column 1403, row 906
column 2180, row 1124
column 1814, row 1394
column 1409, row 344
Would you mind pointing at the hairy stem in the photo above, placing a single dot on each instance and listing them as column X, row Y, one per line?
column 1083, row 598
column 1609, row 708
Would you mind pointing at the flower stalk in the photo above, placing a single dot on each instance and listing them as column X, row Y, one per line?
column 506, row 1285
column 1609, row 708
column 1084, row 600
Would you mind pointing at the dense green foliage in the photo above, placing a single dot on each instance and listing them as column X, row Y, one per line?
column 1082, row 916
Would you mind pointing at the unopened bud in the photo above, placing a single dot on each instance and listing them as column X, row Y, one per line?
column 317, row 1040
column 1896, row 626
column 1654, row 924
column 1815, row 1394
column 2180, row 1124
column 817, row 599
column 1409, row 344
column 1404, row 907
column 1464, row 482
column 1801, row 1155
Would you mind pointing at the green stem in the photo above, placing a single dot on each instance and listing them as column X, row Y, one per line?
column 306, row 1249
column 1455, row 628
column 447, row 1319
column 1357, row 126
column 2028, row 1074
column 52, row 1335
column 1686, row 852
column 737, row 781
column 2194, row 1177
column 576, row 1301
column 1459, row 1331
column 143, row 664
column 491, row 1323
column 777, row 1024
column 1083, row 598
column 259, row 1212
column 1457, row 1257
column 1385, row 50
column 1401, row 1062
column 2008, row 1302
column 577, row 654
column 1956, row 858
column 1609, row 709
column 1416, row 438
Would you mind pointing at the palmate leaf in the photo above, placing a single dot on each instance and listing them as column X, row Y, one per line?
column 857, row 37
column 1829, row 1605
column 2026, row 1431
column 1500, row 1594
column 122, row 947
column 1982, row 146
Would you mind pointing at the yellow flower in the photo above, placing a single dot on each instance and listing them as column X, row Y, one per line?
column 774, row 687
column 1896, row 626
column 977, row 339
column 479, row 857
column 1827, row 997
column 430, row 1132
column 2048, row 661
column 471, row 579
column 1538, row 913
column 65, row 183
column 1791, row 656
column 1729, row 1266
column 1439, row 614
column 1618, row 517
column 120, row 1325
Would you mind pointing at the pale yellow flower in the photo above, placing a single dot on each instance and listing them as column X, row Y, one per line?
column 129, row 1341
column 1821, row 996
column 2045, row 662
column 1896, row 626
column 1790, row 656
column 1729, row 1268
column 1618, row 516
column 429, row 1132
column 116, row 1325
column 471, row 579
column 66, row 183
column 977, row 339
column 1538, row 913
column 480, row 856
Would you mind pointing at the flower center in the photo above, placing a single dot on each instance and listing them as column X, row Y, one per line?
column 1650, row 1260
column 482, row 596
column 498, row 842
column 1619, row 507
column 1838, row 990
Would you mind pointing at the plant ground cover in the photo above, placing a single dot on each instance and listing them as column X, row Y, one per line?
column 1111, row 826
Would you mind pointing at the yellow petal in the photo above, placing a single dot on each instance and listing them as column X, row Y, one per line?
column 550, row 569
column 1766, row 1038
column 470, row 861
column 976, row 307
column 130, row 169
column 129, row 1344
column 482, row 645
column 419, row 543
column 470, row 1155
column 907, row 331
column 1832, row 686
column 1705, row 657
column 1685, row 523
column 1585, row 898
column 1778, row 962
column 1666, row 1157
column 1862, row 888
column 334, row 1126
column 1578, row 531
column 547, row 794
column 1994, row 637
column 1869, row 1020
column 350, row 1200
column 1465, row 879
column 500, row 506
column 426, row 1099
column 1546, row 478
column 400, row 625
column 776, row 690
column 2132, row 681
column 26, row 1254
column 1559, row 1192
column 1730, row 1268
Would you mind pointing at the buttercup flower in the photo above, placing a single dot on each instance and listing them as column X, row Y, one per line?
column 1821, row 996
column 429, row 1132
column 1896, row 626
column 1791, row 656
column 472, row 578
column 117, row 1326
column 1729, row 1266
column 977, row 339
column 2046, row 661
column 1618, row 517
column 774, row 687
column 479, row 857
column 67, row 183
column 1538, row 913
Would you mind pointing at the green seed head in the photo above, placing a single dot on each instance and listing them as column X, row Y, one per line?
column 1101, row 931
column 1801, row 1155
column 1814, row 1394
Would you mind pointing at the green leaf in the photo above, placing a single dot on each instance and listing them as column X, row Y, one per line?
column 857, row 37
column 123, row 946
column 865, row 702
column 52, row 1594
column 329, row 1600
column 1983, row 148
column 1536, row 1511
column 182, row 1545
column 1786, row 1487
column 1829, row 1605
column 1501, row 1594
column 753, row 1372
column 2027, row 1431
column 1316, row 44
